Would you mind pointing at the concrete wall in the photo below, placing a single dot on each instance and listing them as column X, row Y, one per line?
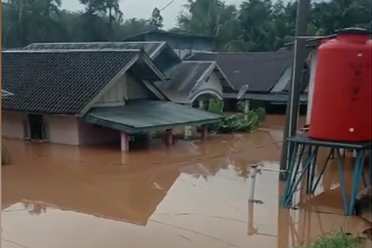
column 61, row 130
column 212, row 85
column 313, row 63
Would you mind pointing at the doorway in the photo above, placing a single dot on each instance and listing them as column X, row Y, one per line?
column 36, row 125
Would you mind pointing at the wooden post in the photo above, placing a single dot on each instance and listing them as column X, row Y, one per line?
column 246, row 109
column 169, row 137
column 124, row 142
column 204, row 132
column 246, row 106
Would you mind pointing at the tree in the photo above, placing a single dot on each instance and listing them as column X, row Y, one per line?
column 254, row 25
column 26, row 21
column 156, row 19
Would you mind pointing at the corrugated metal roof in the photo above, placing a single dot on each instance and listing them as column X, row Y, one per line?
column 141, row 116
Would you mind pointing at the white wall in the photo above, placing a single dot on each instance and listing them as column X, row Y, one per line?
column 214, row 84
column 313, row 64
column 62, row 130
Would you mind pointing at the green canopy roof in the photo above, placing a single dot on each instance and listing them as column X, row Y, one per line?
column 144, row 116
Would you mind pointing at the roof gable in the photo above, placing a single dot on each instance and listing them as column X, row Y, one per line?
column 259, row 70
column 186, row 76
column 63, row 81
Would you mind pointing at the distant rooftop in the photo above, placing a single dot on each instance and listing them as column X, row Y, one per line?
column 260, row 70
column 150, row 47
column 181, row 34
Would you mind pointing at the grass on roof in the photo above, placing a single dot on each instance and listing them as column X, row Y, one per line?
column 337, row 240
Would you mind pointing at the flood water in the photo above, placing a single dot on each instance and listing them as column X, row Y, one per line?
column 193, row 195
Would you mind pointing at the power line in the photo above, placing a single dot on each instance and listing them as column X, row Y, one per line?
column 167, row 5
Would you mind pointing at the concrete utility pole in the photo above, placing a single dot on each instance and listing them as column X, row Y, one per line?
column 303, row 11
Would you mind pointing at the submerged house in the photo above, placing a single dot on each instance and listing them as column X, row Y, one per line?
column 89, row 96
column 184, row 81
column 267, row 75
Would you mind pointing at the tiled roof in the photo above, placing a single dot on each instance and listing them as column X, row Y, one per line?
column 150, row 47
column 186, row 75
column 58, row 82
column 259, row 70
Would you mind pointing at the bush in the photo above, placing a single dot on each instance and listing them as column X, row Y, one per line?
column 337, row 240
column 239, row 122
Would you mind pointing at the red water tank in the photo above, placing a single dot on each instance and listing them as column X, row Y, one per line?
column 342, row 106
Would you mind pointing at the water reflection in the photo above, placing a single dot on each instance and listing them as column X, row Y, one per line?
column 192, row 195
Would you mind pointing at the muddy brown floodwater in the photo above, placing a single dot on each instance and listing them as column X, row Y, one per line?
column 193, row 195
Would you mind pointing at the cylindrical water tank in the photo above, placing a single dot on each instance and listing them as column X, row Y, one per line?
column 342, row 105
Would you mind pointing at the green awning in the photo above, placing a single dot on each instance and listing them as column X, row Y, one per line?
column 144, row 116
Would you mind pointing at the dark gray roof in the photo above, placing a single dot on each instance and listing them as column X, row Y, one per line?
column 259, row 70
column 151, row 48
column 186, row 75
column 180, row 34
column 58, row 82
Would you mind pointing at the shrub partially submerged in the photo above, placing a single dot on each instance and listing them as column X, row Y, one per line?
column 337, row 240
column 237, row 122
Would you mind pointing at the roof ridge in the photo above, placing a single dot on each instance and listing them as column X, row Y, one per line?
column 93, row 42
column 71, row 50
column 242, row 53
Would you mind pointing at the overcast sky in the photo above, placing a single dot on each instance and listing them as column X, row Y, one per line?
column 143, row 8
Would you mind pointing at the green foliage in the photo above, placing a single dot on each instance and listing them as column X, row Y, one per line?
column 337, row 240
column 215, row 106
column 261, row 112
column 238, row 122
column 254, row 25
column 262, row 25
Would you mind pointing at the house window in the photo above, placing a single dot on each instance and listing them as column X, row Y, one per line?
column 36, row 127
